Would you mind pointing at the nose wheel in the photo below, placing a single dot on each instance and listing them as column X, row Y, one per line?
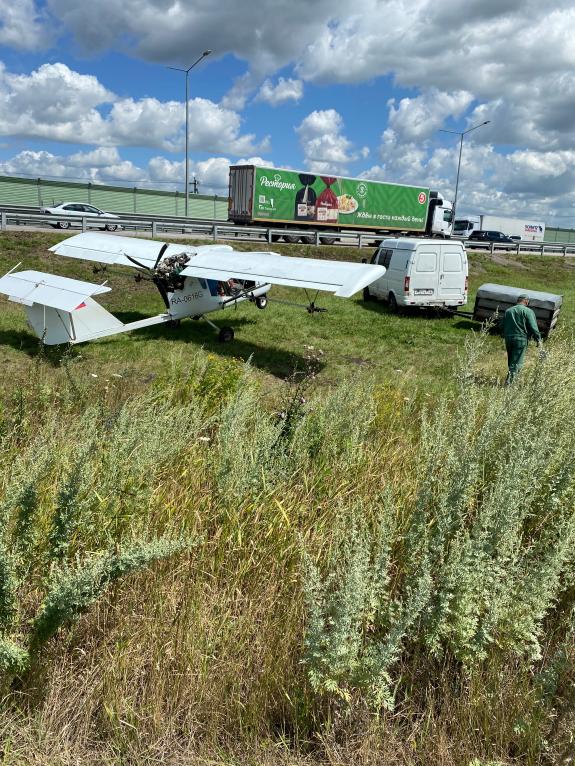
column 226, row 335
column 261, row 301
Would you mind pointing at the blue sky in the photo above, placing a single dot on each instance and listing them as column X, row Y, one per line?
column 85, row 93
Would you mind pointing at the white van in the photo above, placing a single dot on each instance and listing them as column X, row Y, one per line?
column 420, row 272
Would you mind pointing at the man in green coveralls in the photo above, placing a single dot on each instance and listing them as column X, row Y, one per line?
column 519, row 324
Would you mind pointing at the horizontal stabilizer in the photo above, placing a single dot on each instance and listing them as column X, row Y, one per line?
column 61, row 293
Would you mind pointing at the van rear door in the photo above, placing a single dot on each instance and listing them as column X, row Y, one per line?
column 424, row 276
column 453, row 273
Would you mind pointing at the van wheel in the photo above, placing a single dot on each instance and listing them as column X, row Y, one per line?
column 367, row 296
column 392, row 300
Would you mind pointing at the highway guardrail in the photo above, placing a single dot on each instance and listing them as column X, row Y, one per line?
column 222, row 230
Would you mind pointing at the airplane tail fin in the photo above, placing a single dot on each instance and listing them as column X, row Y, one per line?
column 60, row 310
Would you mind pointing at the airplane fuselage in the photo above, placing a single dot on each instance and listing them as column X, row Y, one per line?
column 197, row 296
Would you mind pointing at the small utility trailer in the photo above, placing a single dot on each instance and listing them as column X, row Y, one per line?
column 492, row 300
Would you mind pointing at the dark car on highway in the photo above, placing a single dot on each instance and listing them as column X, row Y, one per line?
column 490, row 236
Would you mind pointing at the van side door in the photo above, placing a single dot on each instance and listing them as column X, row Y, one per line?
column 453, row 273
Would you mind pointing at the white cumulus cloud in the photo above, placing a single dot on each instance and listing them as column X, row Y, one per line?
column 59, row 104
column 326, row 149
column 23, row 26
column 283, row 91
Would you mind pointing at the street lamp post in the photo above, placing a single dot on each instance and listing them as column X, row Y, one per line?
column 460, row 133
column 187, row 72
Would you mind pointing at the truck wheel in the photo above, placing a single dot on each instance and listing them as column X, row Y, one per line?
column 291, row 238
column 327, row 240
column 225, row 335
column 261, row 301
column 392, row 300
column 276, row 237
column 366, row 294
column 308, row 240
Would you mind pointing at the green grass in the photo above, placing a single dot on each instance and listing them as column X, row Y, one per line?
column 349, row 554
column 351, row 337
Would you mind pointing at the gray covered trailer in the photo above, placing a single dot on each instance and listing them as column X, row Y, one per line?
column 492, row 300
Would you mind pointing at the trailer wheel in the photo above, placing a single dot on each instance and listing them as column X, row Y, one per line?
column 327, row 240
column 291, row 238
column 392, row 300
column 276, row 237
column 309, row 239
column 367, row 296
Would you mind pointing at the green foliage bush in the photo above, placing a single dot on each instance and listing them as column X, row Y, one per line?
column 483, row 556
column 361, row 552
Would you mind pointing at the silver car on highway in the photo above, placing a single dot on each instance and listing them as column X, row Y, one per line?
column 78, row 209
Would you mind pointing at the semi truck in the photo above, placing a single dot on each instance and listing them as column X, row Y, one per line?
column 527, row 230
column 296, row 201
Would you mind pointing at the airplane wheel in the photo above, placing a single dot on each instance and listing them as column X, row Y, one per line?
column 174, row 322
column 63, row 224
column 226, row 335
column 366, row 294
column 261, row 301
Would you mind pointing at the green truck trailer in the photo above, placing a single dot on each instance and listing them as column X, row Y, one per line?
column 296, row 200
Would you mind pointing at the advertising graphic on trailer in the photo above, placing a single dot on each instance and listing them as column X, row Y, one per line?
column 287, row 195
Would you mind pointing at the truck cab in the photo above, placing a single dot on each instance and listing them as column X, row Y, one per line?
column 440, row 217
column 464, row 226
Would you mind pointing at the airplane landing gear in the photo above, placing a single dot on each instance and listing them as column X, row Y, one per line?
column 226, row 335
column 261, row 301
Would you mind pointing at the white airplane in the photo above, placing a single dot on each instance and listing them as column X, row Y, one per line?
column 192, row 281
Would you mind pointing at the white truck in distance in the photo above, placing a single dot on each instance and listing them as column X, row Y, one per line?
column 517, row 228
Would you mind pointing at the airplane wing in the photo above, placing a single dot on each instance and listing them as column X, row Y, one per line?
column 114, row 250
column 221, row 262
column 340, row 277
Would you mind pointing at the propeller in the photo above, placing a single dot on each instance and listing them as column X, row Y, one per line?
column 143, row 265
column 162, row 251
